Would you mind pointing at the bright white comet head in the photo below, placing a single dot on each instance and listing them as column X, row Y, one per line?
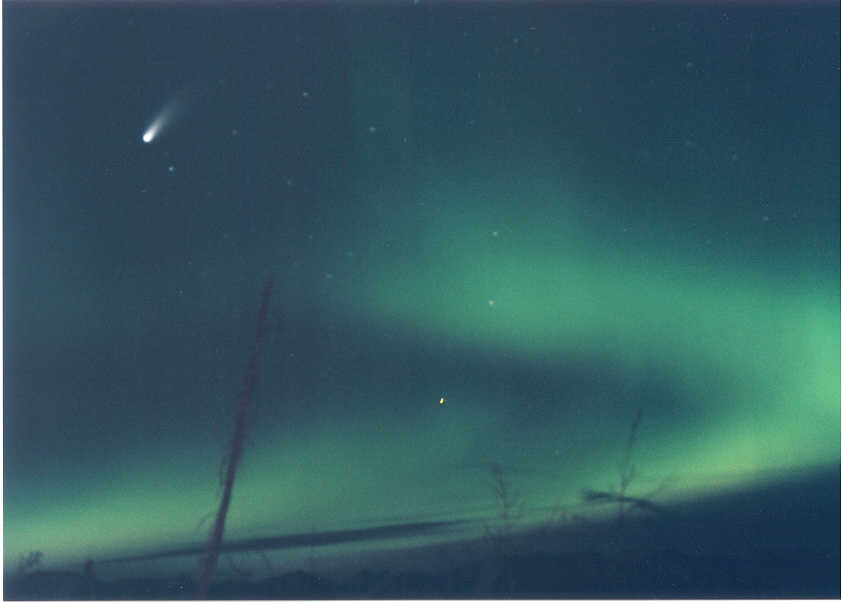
column 153, row 130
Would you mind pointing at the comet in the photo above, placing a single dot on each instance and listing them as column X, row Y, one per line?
column 205, row 86
column 153, row 129
column 162, row 120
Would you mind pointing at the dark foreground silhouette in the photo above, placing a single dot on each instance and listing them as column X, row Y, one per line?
column 779, row 540
column 796, row 573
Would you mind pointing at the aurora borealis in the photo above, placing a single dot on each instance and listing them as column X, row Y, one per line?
column 549, row 216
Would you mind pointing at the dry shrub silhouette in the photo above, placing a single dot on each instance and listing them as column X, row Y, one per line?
column 510, row 510
column 500, row 534
column 628, row 472
column 28, row 563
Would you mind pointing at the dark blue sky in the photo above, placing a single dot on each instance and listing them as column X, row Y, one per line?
column 549, row 216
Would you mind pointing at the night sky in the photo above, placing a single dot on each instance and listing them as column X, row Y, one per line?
column 495, row 233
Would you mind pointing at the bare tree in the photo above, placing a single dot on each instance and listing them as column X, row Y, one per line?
column 627, row 469
column 210, row 560
column 500, row 534
column 628, row 472
column 511, row 507
column 28, row 563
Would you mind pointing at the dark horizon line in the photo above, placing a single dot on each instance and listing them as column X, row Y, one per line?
column 391, row 531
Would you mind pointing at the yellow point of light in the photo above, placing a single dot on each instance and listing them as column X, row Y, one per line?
column 441, row 401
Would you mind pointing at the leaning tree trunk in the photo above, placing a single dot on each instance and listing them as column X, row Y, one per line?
column 209, row 562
